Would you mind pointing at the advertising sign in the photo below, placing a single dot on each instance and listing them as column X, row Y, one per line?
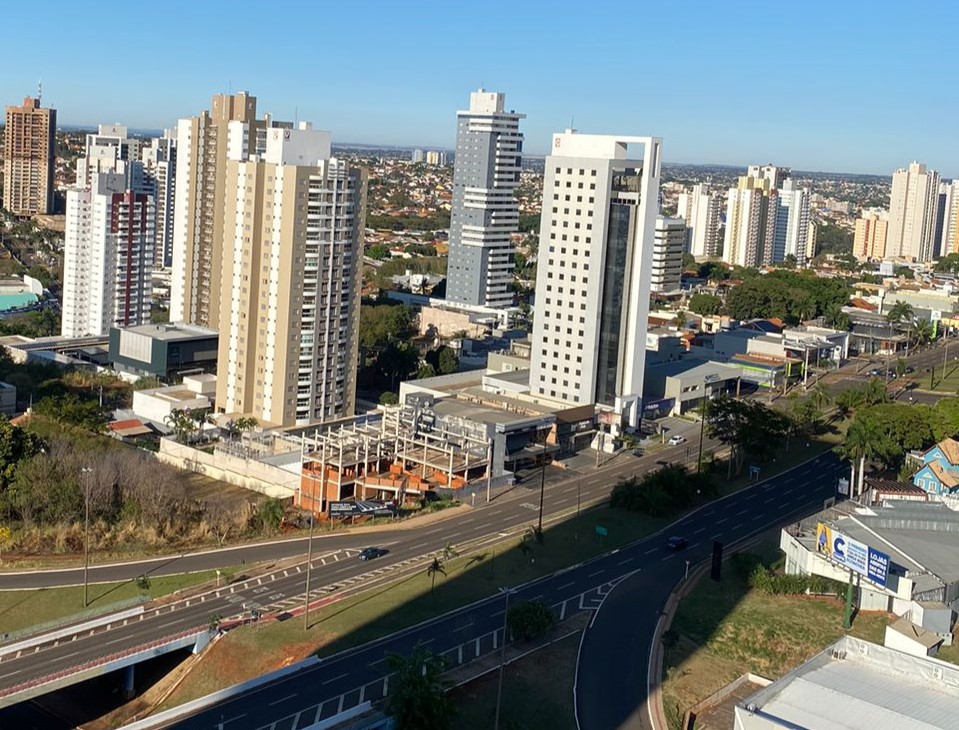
column 852, row 554
column 349, row 508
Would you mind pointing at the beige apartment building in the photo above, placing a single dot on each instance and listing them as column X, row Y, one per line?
column 203, row 143
column 913, row 203
column 288, row 300
column 869, row 241
column 29, row 147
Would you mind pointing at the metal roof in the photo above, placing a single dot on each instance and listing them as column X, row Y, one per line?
column 858, row 685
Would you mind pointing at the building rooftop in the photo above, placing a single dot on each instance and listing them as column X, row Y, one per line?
column 858, row 685
column 174, row 331
column 694, row 369
column 916, row 633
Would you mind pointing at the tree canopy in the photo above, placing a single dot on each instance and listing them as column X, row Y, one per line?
column 748, row 427
column 789, row 295
column 705, row 304
column 417, row 699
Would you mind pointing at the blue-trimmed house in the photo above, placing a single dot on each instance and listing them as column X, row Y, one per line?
column 939, row 473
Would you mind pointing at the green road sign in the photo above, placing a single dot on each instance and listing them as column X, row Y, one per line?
column 602, row 531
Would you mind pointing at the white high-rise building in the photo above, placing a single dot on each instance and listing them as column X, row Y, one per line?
column 108, row 256
column 485, row 212
column 668, row 246
column 112, row 149
column 593, row 277
column 776, row 175
column 159, row 165
column 912, row 213
column 293, row 221
column 750, row 222
column 947, row 208
column 792, row 223
column 701, row 210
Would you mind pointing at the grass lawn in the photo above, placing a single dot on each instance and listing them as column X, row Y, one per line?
column 949, row 384
column 21, row 610
column 723, row 630
column 537, row 692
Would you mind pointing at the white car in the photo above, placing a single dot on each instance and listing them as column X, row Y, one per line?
column 674, row 440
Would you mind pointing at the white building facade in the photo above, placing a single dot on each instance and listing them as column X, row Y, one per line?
column 701, row 210
column 668, row 247
column 159, row 166
column 108, row 257
column 593, row 278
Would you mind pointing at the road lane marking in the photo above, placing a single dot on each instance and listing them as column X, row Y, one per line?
column 724, row 519
column 623, row 562
column 598, row 572
column 736, row 527
column 283, row 699
column 651, row 551
column 701, row 529
column 742, row 512
column 335, row 679
column 568, row 585
column 233, row 718
column 666, row 558
column 771, row 499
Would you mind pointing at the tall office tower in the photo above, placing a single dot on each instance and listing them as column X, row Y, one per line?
column 912, row 213
column 701, row 210
column 869, row 240
column 668, row 244
column 290, row 296
column 777, row 176
column 792, row 223
column 593, row 278
column 202, row 145
column 417, row 156
column 107, row 256
column 751, row 216
column 159, row 167
column 29, row 154
column 111, row 149
column 489, row 148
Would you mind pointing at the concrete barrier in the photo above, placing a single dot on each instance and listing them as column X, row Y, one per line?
column 95, row 623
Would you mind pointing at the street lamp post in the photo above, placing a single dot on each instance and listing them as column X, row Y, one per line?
column 707, row 379
column 84, row 471
column 309, row 567
column 502, row 656
column 542, row 492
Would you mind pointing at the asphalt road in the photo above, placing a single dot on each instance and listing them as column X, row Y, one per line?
column 335, row 568
column 611, row 684
column 612, row 676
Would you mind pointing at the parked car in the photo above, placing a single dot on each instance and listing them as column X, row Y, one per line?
column 676, row 543
column 677, row 440
column 637, row 452
column 371, row 553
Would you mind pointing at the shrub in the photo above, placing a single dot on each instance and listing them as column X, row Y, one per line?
column 529, row 619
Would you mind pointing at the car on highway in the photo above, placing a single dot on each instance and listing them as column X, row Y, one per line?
column 676, row 543
column 677, row 440
column 371, row 553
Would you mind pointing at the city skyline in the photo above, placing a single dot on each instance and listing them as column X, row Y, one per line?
column 408, row 74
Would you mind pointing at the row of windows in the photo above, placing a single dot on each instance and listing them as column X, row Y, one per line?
column 579, row 186
column 569, row 171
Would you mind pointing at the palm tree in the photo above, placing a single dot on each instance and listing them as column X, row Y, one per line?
column 902, row 312
column 863, row 442
column 820, row 395
column 435, row 567
column 680, row 319
column 921, row 333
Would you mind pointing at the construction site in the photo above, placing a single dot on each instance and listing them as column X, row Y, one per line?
column 400, row 453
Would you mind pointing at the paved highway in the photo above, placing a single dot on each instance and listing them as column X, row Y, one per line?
column 335, row 569
column 509, row 509
column 611, row 683
column 615, row 653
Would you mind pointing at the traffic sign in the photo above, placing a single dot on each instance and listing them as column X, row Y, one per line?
column 601, row 531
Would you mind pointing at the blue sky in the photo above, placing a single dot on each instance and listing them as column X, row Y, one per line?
column 841, row 86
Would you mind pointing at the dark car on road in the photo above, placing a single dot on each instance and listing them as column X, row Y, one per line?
column 371, row 553
column 676, row 543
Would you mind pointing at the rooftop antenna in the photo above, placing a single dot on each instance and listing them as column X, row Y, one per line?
column 296, row 116
column 571, row 120
column 39, row 91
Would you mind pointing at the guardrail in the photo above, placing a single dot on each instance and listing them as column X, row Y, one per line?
column 99, row 661
column 71, row 630
column 71, row 620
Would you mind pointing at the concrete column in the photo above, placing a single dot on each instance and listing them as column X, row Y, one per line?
column 128, row 687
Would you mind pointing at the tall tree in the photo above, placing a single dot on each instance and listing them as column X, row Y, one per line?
column 417, row 699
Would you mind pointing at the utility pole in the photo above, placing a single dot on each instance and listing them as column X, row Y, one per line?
column 702, row 430
column 309, row 567
column 502, row 656
column 542, row 492
column 84, row 472
column 847, row 616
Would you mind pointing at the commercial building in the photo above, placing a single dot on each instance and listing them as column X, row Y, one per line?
column 702, row 212
column 8, row 399
column 165, row 351
column 912, row 213
column 108, row 256
column 202, row 145
column 156, row 404
column 678, row 387
column 669, row 242
column 29, row 154
column 290, row 287
column 857, row 685
column 159, row 166
column 869, row 240
column 593, row 278
column 485, row 211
